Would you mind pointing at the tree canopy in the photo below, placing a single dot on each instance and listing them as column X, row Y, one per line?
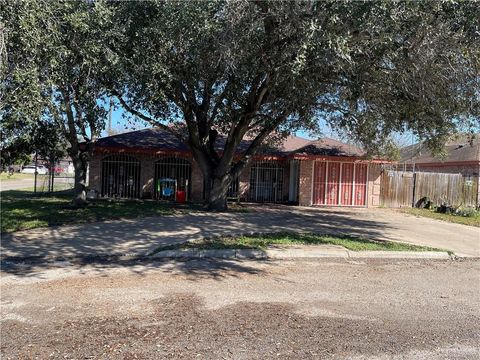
column 263, row 69
column 233, row 70
column 53, row 75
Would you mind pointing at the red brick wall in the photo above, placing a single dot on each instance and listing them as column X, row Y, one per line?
column 305, row 183
column 147, row 174
column 95, row 172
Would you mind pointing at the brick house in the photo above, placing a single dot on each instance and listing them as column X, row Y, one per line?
column 462, row 157
column 153, row 163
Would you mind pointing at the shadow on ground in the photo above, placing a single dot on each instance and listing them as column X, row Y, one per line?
column 194, row 269
column 142, row 236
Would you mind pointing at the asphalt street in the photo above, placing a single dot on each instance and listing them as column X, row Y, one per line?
column 222, row 309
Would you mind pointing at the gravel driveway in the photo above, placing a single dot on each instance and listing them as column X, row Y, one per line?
column 143, row 235
column 244, row 310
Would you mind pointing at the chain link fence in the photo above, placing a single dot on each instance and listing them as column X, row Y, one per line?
column 52, row 177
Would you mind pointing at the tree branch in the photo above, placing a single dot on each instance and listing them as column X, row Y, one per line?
column 144, row 117
column 255, row 144
column 71, row 134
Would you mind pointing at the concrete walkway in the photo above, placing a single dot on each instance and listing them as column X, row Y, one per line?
column 16, row 184
column 144, row 235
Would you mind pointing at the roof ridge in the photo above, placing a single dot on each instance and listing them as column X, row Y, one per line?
column 123, row 133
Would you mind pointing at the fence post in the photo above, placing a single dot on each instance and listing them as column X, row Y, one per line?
column 35, row 176
column 52, row 167
column 414, row 188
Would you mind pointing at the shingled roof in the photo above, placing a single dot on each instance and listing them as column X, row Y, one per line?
column 330, row 147
column 157, row 139
column 145, row 139
column 461, row 149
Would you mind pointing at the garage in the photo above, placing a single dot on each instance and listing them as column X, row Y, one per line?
column 339, row 183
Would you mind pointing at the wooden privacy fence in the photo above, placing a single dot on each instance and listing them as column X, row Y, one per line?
column 403, row 188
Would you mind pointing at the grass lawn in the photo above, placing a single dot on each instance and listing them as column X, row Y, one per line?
column 465, row 220
column 263, row 241
column 24, row 210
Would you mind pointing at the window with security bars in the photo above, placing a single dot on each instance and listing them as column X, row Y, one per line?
column 121, row 176
column 172, row 174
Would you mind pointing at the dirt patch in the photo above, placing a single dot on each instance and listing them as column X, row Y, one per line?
column 208, row 310
column 182, row 328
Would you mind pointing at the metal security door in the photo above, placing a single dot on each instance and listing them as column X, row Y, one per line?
column 266, row 182
column 360, row 189
column 346, row 188
column 333, row 183
column 319, row 172
column 172, row 170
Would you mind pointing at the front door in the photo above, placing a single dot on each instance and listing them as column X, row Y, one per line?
column 333, row 182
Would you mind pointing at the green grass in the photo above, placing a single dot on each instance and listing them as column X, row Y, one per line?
column 22, row 210
column 464, row 220
column 263, row 241
column 42, row 190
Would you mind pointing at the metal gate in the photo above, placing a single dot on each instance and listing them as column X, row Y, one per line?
column 266, row 182
column 233, row 188
column 339, row 183
column 171, row 168
column 120, row 176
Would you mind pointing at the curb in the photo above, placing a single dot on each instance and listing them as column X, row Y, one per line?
column 214, row 253
column 400, row 255
column 272, row 254
column 298, row 253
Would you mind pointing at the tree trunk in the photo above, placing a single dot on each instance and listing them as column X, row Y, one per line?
column 80, row 192
column 216, row 192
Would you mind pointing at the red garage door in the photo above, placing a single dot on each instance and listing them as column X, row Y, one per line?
column 339, row 183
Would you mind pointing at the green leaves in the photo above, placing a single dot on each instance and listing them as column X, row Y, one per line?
column 249, row 68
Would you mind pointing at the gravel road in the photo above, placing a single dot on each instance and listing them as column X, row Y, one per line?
column 218, row 309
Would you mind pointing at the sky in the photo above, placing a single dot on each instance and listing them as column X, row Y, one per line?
column 120, row 124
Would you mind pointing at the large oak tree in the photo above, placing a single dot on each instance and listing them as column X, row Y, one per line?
column 238, row 70
column 52, row 75
column 258, row 69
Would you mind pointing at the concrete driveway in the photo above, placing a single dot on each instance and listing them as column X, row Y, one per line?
column 143, row 235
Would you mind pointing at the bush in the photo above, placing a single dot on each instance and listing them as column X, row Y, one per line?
column 467, row 212
column 445, row 209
